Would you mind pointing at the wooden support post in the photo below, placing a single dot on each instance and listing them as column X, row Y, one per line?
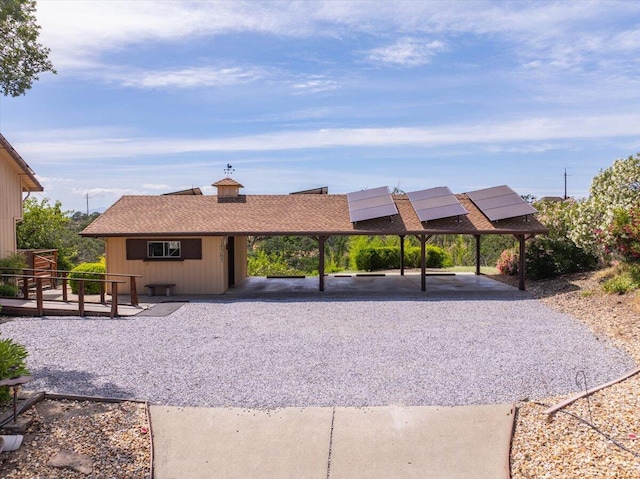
column 134, row 291
column 423, row 263
column 65, row 294
column 81, row 297
column 114, row 299
column 321, row 240
column 39, row 297
column 522, row 264
column 477, row 254
column 401, row 255
column 25, row 285
column 103, row 285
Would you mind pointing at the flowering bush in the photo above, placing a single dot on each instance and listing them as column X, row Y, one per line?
column 622, row 237
column 613, row 188
column 508, row 262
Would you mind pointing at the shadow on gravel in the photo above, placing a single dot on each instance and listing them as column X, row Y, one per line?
column 74, row 382
column 371, row 297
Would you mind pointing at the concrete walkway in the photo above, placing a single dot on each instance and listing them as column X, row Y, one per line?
column 335, row 443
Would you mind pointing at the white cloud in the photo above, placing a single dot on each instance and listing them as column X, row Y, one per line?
column 99, row 192
column 315, row 84
column 193, row 77
column 489, row 133
column 409, row 52
column 79, row 32
column 155, row 186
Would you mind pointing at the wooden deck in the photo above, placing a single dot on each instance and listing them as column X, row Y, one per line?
column 29, row 307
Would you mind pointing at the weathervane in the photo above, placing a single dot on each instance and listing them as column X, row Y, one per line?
column 229, row 170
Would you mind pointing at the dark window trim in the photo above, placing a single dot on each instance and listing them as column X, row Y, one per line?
column 163, row 259
column 137, row 249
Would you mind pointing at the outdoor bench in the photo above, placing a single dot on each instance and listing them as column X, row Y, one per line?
column 151, row 288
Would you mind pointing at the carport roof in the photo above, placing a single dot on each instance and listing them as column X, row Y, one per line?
column 284, row 215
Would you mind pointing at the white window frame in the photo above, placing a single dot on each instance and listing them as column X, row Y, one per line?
column 170, row 249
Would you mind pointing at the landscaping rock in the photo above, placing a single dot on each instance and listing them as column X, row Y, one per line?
column 72, row 460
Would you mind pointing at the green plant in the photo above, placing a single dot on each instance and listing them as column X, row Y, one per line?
column 8, row 291
column 9, row 265
column 263, row 264
column 436, row 257
column 13, row 264
column 12, row 364
column 620, row 284
column 87, row 271
column 547, row 257
column 388, row 257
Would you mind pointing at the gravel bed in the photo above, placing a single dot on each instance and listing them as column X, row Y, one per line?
column 268, row 354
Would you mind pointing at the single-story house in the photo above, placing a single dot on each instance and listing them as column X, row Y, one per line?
column 199, row 242
column 16, row 178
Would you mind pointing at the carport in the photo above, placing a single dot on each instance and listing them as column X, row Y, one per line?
column 205, row 236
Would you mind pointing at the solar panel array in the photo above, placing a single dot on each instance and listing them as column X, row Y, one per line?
column 371, row 204
column 436, row 203
column 500, row 202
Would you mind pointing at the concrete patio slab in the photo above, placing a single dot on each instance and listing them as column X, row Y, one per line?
column 239, row 443
column 335, row 443
column 422, row 442
column 389, row 284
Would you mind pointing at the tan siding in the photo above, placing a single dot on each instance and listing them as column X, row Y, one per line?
column 240, row 265
column 205, row 276
column 10, row 207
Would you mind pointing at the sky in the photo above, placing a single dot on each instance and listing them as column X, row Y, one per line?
column 155, row 96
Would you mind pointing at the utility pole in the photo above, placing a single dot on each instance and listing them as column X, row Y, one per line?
column 88, row 203
column 565, row 183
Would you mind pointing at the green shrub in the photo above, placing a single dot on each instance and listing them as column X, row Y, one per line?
column 8, row 291
column 12, row 364
column 388, row 257
column 547, row 257
column 90, row 271
column 263, row 264
column 13, row 264
column 625, row 279
column 437, row 257
column 412, row 257
column 620, row 284
column 540, row 262
column 368, row 259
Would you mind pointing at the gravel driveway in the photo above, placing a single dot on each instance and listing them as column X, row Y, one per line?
column 321, row 353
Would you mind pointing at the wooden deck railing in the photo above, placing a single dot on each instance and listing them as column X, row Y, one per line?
column 43, row 261
column 56, row 276
column 25, row 278
column 35, row 278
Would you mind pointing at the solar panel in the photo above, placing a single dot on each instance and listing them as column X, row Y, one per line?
column 500, row 202
column 436, row 203
column 370, row 204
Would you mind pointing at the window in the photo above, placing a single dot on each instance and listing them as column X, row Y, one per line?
column 163, row 249
column 154, row 249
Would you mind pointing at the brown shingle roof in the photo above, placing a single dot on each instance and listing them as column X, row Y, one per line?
column 282, row 215
column 27, row 174
column 227, row 182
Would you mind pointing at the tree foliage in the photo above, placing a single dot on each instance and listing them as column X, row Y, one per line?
column 46, row 226
column 22, row 58
column 613, row 189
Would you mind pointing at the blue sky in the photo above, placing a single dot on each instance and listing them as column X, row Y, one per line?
column 157, row 96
